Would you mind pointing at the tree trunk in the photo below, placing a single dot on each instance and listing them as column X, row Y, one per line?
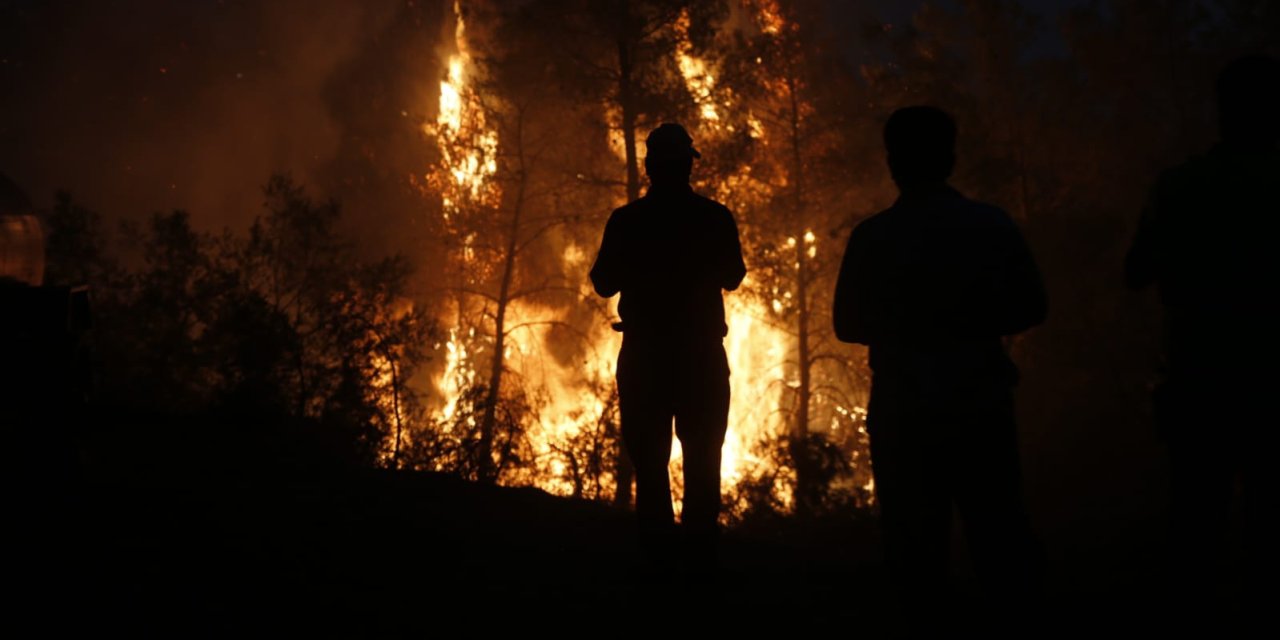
column 625, row 474
column 804, row 363
column 489, row 471
column 395, row 406
column 626, row 102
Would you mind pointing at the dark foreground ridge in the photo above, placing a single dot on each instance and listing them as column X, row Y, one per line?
column 168, row 528
column 209, row 542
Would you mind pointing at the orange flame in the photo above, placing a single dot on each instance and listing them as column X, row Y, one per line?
column 568, row 397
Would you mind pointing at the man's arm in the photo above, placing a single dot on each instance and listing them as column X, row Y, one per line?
column 607, row 272
column 853, row 312
column 1027, row 304
column 1141, row 267
column 733, row 269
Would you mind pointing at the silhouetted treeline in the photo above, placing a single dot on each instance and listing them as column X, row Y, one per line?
column 280, row 328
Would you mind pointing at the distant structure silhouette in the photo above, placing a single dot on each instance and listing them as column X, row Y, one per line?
column 931, row 285
column 670, row 254
column 1207, row 241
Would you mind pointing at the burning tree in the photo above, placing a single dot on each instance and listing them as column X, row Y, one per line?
column 791, row 86
column 622, row 56
column 767, row 97
column 517, row 393
column 537, row 138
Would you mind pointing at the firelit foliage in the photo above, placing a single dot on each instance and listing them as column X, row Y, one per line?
column 285, row 321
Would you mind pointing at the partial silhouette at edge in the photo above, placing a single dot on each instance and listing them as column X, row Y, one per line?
column 1206, row 241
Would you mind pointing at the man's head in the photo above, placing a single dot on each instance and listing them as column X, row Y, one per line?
column 1249, row 102
column 669, row 155
column 920, row 142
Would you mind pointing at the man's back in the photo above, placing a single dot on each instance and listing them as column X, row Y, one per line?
column 1206, row 240
column 670, row 254
column 932, row 283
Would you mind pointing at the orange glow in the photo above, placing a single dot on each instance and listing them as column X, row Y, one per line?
column 769, row 17
column 471, row 157
column 698, row 77
column 572, row 397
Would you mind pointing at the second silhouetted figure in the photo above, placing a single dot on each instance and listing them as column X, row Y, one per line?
column 670, row 254
column 931, row 285
column 1206, row 240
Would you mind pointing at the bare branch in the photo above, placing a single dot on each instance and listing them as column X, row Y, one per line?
column 475, row 292
column 547, row 288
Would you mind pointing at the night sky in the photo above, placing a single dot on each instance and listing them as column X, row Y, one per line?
column 141, row 106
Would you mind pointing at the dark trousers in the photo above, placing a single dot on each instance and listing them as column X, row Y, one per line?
column 1222, row 440
column 660, row 381
column 931, row 454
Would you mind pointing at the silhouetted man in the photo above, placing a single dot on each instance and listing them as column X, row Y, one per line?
column 931, row 285
column 1207, row 240
column 670, row 254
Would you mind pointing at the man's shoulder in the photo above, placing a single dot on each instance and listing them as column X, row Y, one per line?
column 706, row 201
column 887, row 221
column 627, row 211
column 1212, row 166
column 953, row 211
column 1188, row 172
column 712, row 207
column 1182, row 186
column 699, row 204
column 689, row 202
column 875, row 222
column 629, row 207
column 984, row 213
column 687, row 198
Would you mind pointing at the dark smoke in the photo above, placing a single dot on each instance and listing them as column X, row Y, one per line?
column 140, row 106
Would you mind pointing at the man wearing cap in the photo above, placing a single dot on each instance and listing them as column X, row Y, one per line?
column 670, row 254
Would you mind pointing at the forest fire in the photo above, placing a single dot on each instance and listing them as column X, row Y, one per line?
column 567, row 400
column 567, row 410
column 474, row 163
column 303, row 324
column 753, row 344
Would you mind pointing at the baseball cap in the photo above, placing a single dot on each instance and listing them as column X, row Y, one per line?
column 670, row 139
